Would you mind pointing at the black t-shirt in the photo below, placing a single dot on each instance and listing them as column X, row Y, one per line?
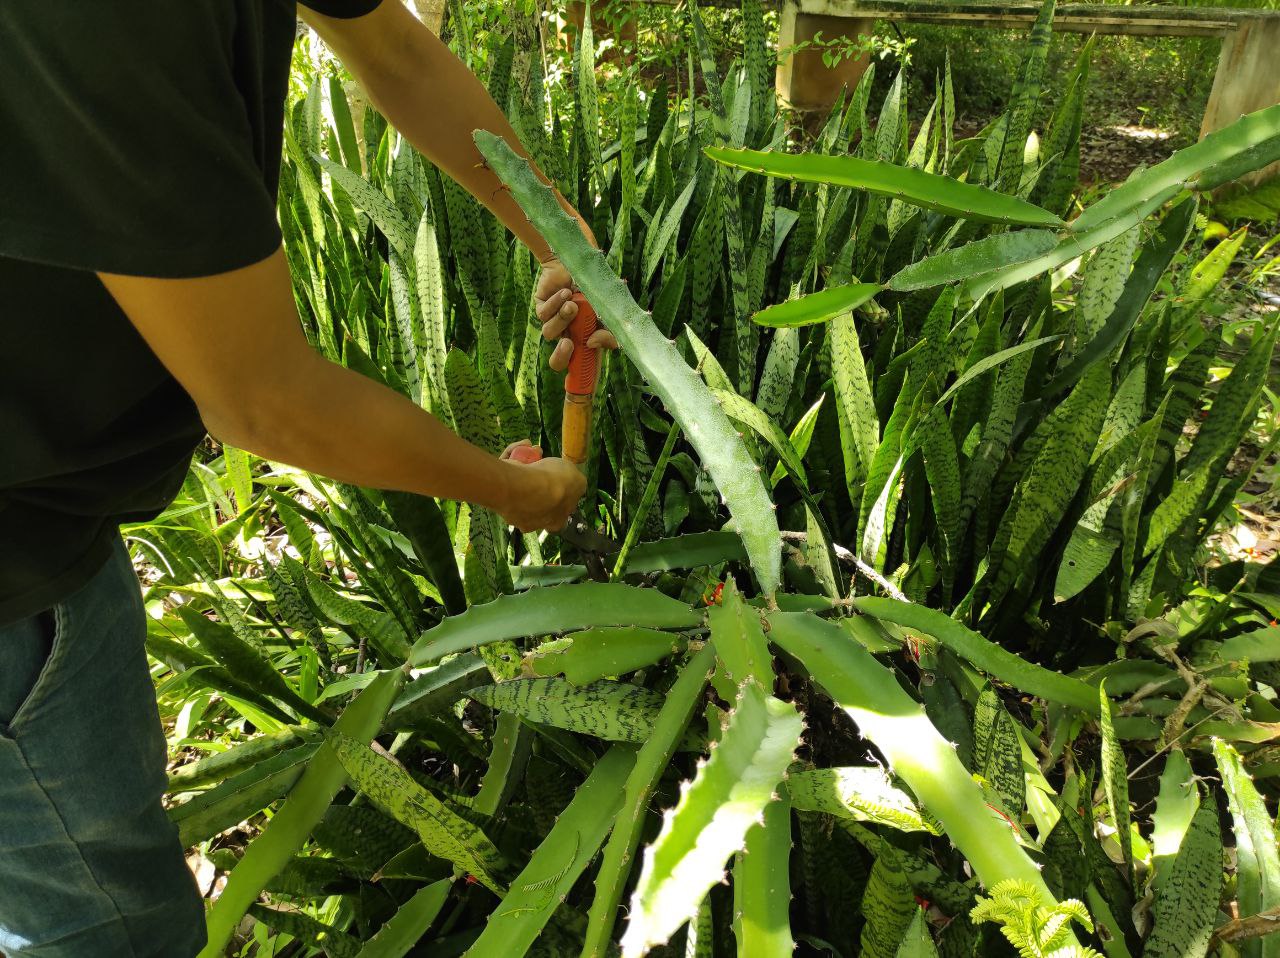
column 139, row 137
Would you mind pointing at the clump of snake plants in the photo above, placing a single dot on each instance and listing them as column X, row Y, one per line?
column 904, row 652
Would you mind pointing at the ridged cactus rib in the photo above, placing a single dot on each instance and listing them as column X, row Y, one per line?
column 710, row 822
column 551, row 609
column 538, row 891
column 917, row 754
column 983, row 654
column 685, row 395
column 651, row 761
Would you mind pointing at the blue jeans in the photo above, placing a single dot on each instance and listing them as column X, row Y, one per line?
column 90, row 867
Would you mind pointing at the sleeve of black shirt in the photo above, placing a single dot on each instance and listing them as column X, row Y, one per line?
column 127, row 144
column 342, row 9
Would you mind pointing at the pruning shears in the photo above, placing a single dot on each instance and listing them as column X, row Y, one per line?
column 575, row 429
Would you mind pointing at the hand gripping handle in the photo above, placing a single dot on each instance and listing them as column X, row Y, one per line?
column 579, row 388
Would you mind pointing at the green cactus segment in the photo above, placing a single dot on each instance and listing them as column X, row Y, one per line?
column 974, row 259
column 239, row 797
column 270, row 852
column 929, row 190
column 559, row 861
column 612, row 711
column 410, row 922
column 652, row 761
column 982, row 654
column 685, row 395
column 762, row 887
column 563, row 608
column 817, row 307
column 739, row 639
column 710, row 822
column 917, row 943
column 858, row 794
column 1186, row 909
column 444, row 833
column 927, row 763
column 436, row 689
column 1072, row 246
column 1218, row 149
column 222, row 765
column 601, row 653
column 1257, row 859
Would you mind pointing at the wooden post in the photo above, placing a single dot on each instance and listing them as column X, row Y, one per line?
column 803, row 81
column 430, row 12
column 1248, row 79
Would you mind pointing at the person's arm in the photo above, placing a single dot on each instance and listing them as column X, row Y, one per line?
column 436, row 103
column 234, row 342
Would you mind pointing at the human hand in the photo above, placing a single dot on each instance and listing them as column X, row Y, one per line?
column 555, row 310
column 543, row 492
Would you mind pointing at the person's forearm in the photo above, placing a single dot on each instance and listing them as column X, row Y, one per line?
column 364, row 434
column 430, row 96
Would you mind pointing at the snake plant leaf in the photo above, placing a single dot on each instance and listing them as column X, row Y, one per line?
column 1186, row 909
column 997, row 752
column 248, row 662
column 860, row 426
column 406, row 927
column 307, row 930
column 1087, row 553
column 710, row 822
column 1024, row 99
column 982, row 654
column 1115, row 778
column 974, row 259
column 888, row 904
column 651, row 761
column 1070, row 433
column 444, row 833
column 612, row 711
column 686, row 397
column 762, row 887
column 374, row 202
column 863, row 794
column 563, row 608
column 1236, row 402
column 362, row 837
column 592, row 654
column 929, row 190
column 365, row 621
column 271, row 851
column 870, row 694
column 1176, row 806
column 817, row 307
column 748, row 414
column 1153, row 261
column 1257, row 858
